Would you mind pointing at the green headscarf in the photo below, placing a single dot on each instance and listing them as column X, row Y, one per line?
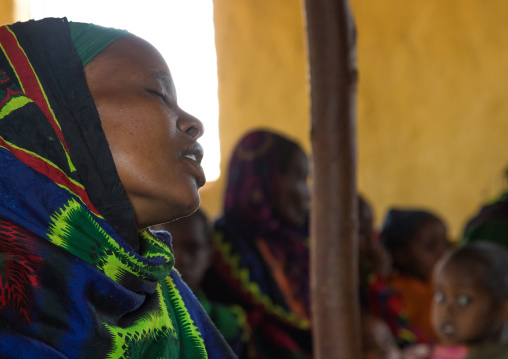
column 90, row 39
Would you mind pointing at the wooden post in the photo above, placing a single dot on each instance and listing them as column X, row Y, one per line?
column 334, row 252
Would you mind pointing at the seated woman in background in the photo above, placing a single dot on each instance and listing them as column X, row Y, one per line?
column 93, row 150
column 261, row 258
column 375, row 261
column 416, row 239
column 491, row 221
column 377, row 298
column 470, row 307
column 191, row 238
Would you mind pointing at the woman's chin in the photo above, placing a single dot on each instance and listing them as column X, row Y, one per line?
column 165, row 211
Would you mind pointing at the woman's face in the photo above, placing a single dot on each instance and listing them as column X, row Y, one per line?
column 463, row 311
column 293, row 193
column 153, row 142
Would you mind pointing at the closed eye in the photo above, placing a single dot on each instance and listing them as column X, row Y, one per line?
column 159, row 94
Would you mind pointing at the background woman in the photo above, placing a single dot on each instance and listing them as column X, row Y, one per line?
column 261, row 255
column 416, row 239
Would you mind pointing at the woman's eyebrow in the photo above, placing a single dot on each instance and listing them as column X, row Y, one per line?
column 162, row 77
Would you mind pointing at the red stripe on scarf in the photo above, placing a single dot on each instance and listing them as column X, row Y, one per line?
column 52, row 172
column 9, row 95
column 28, row 78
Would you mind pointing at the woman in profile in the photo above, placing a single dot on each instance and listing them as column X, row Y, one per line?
column 93, row 150
column 261, row 257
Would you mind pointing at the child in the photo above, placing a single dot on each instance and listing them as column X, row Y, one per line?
column 192, row 245
column 470, row 307
column 377, row 297
column 416, row 239
column 377, row 340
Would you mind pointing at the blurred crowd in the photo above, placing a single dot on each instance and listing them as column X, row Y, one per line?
column 421, row 295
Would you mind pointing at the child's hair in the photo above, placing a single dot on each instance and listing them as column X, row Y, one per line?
column 401, row 224
column 416, row 239
column 486, row 256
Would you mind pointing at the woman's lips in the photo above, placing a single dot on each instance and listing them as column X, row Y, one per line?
column 194, row 152
column 194, row 155
column 200, row 176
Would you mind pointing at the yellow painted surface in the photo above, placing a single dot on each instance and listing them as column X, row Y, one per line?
column 262, row 79
column 14, row 10
column 6, row 11
column 432, row 107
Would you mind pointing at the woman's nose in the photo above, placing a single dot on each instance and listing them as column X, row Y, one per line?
column 190, row 125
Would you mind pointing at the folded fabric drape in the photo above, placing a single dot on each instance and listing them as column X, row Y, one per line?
column 77, row 280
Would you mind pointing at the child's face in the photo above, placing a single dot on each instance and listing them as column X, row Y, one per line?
column 378, row 341
column 192, row 248
column 425, row 248
column 463, row 311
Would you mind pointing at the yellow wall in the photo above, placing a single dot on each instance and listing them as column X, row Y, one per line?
column 432, row 109
column 6, row 11
column 432, row 113
column 262, row 81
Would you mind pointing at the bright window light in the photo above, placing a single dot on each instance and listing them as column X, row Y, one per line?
column 182, row 30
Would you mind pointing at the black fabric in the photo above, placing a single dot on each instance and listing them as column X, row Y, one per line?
column 87, row 142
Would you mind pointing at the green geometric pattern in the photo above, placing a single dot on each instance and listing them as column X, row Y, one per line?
column 74, row 229
column 189, row 334
column 155, row 326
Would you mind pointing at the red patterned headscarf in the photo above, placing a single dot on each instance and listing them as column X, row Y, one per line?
column 255, row 169
column 261, row 261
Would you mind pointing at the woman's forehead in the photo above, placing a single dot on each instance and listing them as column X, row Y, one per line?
column 132, row 51
column 131, row 59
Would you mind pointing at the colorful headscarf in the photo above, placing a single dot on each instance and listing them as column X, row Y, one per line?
column 77, row 279
column 263, row 260
column 491, row 223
